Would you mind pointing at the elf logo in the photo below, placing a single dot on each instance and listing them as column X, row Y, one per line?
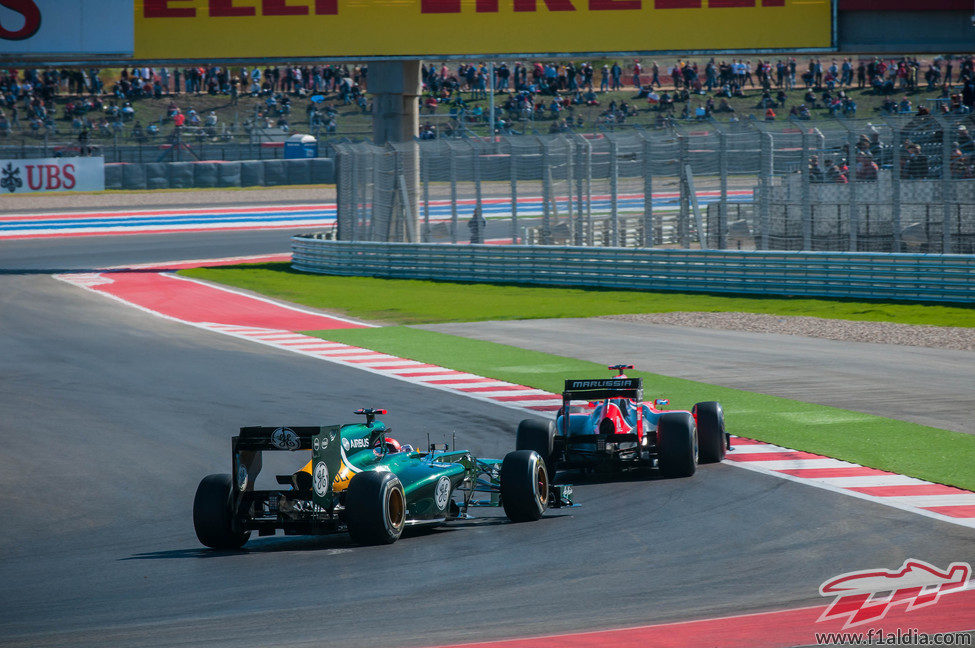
column 31, row 18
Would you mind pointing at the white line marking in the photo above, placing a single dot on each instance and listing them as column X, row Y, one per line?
column 755, row 448
column 924, row 501
column 870, row 480
column 792, row 464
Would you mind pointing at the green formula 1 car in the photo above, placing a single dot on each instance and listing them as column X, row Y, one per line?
column 362, row 481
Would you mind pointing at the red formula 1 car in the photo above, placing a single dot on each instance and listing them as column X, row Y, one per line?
column 616, row 429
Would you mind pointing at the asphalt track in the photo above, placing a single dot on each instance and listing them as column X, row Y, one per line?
column 111, row 416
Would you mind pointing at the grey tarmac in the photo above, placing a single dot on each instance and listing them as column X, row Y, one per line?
column 111, row 416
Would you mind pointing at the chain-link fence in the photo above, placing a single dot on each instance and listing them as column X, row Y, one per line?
column 895, row 184
column 187, row 144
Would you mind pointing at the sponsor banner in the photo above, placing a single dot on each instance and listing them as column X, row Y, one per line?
column 37, row 28
column 52, row 174
column 248, row 29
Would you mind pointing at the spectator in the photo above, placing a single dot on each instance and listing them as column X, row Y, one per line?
column 915, row 163
column 866, row 168
column 833, row 173
column 815, row 171
column 616, row 72
column 83, row 142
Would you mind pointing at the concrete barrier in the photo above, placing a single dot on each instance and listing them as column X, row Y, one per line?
column 205, row 174
column 297, row 172
column 274, row 173
column 228, row 174
column 113, row 176
column 184, row 175
column 134, row 176
column 251, row 173
column 157, row 175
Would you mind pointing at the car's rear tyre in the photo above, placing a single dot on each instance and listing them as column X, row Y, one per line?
column 678, row 444
column 524, row 486
column 538, row 435
column 213, row 515
column 710, row 431
column 375, row 508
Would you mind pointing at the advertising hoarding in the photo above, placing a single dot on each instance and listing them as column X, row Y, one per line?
column 250, row 29
column 32, row 29
column 52, row 174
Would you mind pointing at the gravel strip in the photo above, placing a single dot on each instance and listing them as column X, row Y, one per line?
column 939, row 337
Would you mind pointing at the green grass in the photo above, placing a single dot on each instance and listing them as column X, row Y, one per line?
column 926, row 453
column 401, row 301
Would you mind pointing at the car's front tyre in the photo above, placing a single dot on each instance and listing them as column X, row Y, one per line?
column 524, row 486
column 538, row 435
column 710, row 431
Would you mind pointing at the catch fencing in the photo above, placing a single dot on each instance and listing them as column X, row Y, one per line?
column 893, row 184
column 189, row 144
column 915, row 277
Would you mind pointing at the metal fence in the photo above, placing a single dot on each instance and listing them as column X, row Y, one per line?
column 190, row 144
column 915, row 277
column 894, row 184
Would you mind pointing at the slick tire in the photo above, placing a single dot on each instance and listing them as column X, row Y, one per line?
column 375, row 508
column 213, row 517
column 524, row 486
column 710, row 431
column 538, row 435
column 677, row 439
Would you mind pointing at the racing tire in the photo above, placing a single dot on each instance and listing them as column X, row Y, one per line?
column 524, row 486
column 710, row 431
column 375, row 508
column 538, row 435
column 213, row 515
column 677, row 439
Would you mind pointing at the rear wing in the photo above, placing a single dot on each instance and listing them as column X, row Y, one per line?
column 325, row 442
column 602, row 388
column 276, row 438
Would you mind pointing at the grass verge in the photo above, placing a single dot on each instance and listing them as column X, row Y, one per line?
column 401, row 301
column 927, row 453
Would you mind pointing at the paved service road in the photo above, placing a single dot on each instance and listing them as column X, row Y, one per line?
column 111, row 416
column 929, row 386
column 93, row 252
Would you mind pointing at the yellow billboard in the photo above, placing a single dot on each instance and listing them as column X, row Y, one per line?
column 250, row 29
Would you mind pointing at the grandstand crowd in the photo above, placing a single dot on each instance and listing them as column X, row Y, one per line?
column 31, row 97
column 87, row 102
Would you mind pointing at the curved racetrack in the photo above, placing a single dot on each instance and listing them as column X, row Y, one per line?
column 110, row 417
